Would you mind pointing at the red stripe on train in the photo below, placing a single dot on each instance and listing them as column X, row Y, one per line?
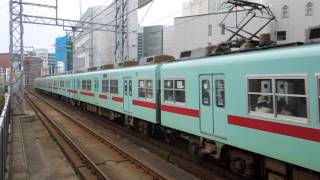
column 72, row 91
column 102, row 96
column 278, row 128
column 87, row 94
column 144, row 104
column 180, row 110
column 117, row 99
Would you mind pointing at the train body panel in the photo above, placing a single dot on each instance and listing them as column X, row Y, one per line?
column 290, row 138
column 264, row 101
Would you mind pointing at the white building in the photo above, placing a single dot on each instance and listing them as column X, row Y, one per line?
column 199, row 29
column 96, row 48
column 43, row 54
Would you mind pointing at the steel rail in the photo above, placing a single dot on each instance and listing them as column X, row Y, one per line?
column 95, row 170
column 115, row 147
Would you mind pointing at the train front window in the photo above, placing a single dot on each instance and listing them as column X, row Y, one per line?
column 284, row 98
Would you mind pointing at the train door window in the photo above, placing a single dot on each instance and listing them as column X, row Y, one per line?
column 130, row 87
column 105, row 86
column 260, row 95
column 89, row 85
column 114, row 87
column 220, row 93
column 291, row 98
column 84, row 85
column 125, row 87
column 206, row 92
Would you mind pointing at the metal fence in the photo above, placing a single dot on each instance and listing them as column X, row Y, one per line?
column 4, row 135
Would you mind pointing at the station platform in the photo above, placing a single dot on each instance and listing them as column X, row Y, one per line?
column 34, row 154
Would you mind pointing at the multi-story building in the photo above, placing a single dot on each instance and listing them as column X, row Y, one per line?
column 155, row 40
column 32, row 68
column 199, row 27
column 43, row 55
column 94, row 48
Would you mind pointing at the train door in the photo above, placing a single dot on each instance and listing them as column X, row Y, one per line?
column 211, row 101
column 127, row 93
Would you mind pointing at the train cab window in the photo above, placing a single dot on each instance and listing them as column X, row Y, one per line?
column 220, row 93
column 114, row 87
column 174, row 91
column 145, row 89
column 281, row 97
column 105, row 86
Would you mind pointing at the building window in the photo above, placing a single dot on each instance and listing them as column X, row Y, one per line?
column 285, row 12
column 114, row 86
column 281, row 97
column 309, row 9
column 174, row 92
column 282, row 35
column 145, row 89
column 105, row 86
column 210, row 30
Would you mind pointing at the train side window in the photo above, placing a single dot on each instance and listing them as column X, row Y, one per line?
column 174, row 91
column 105, row 86
column 168, row 91
column 84, row 85
column 291, row 98
column 145, row 89
column 61, row 84
column 114, row 87
column 284, row 97
column 89, row 85
column 319, row 97
column 96, row 85
column 220, row 93
column 260, row 95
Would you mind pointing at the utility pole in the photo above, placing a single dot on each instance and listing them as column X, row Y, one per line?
column 121, row 32
column 17, row 19
column 17, row 82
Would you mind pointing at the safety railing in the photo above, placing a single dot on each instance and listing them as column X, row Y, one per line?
column 4, row 135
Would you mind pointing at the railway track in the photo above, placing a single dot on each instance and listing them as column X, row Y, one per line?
column 194, row 165
column 89, row 153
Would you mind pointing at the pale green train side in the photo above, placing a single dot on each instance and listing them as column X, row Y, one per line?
column 219, row 99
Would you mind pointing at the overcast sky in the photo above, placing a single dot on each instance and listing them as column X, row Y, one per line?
column 38, row 36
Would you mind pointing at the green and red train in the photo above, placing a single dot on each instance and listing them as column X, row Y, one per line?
column 259, row 109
